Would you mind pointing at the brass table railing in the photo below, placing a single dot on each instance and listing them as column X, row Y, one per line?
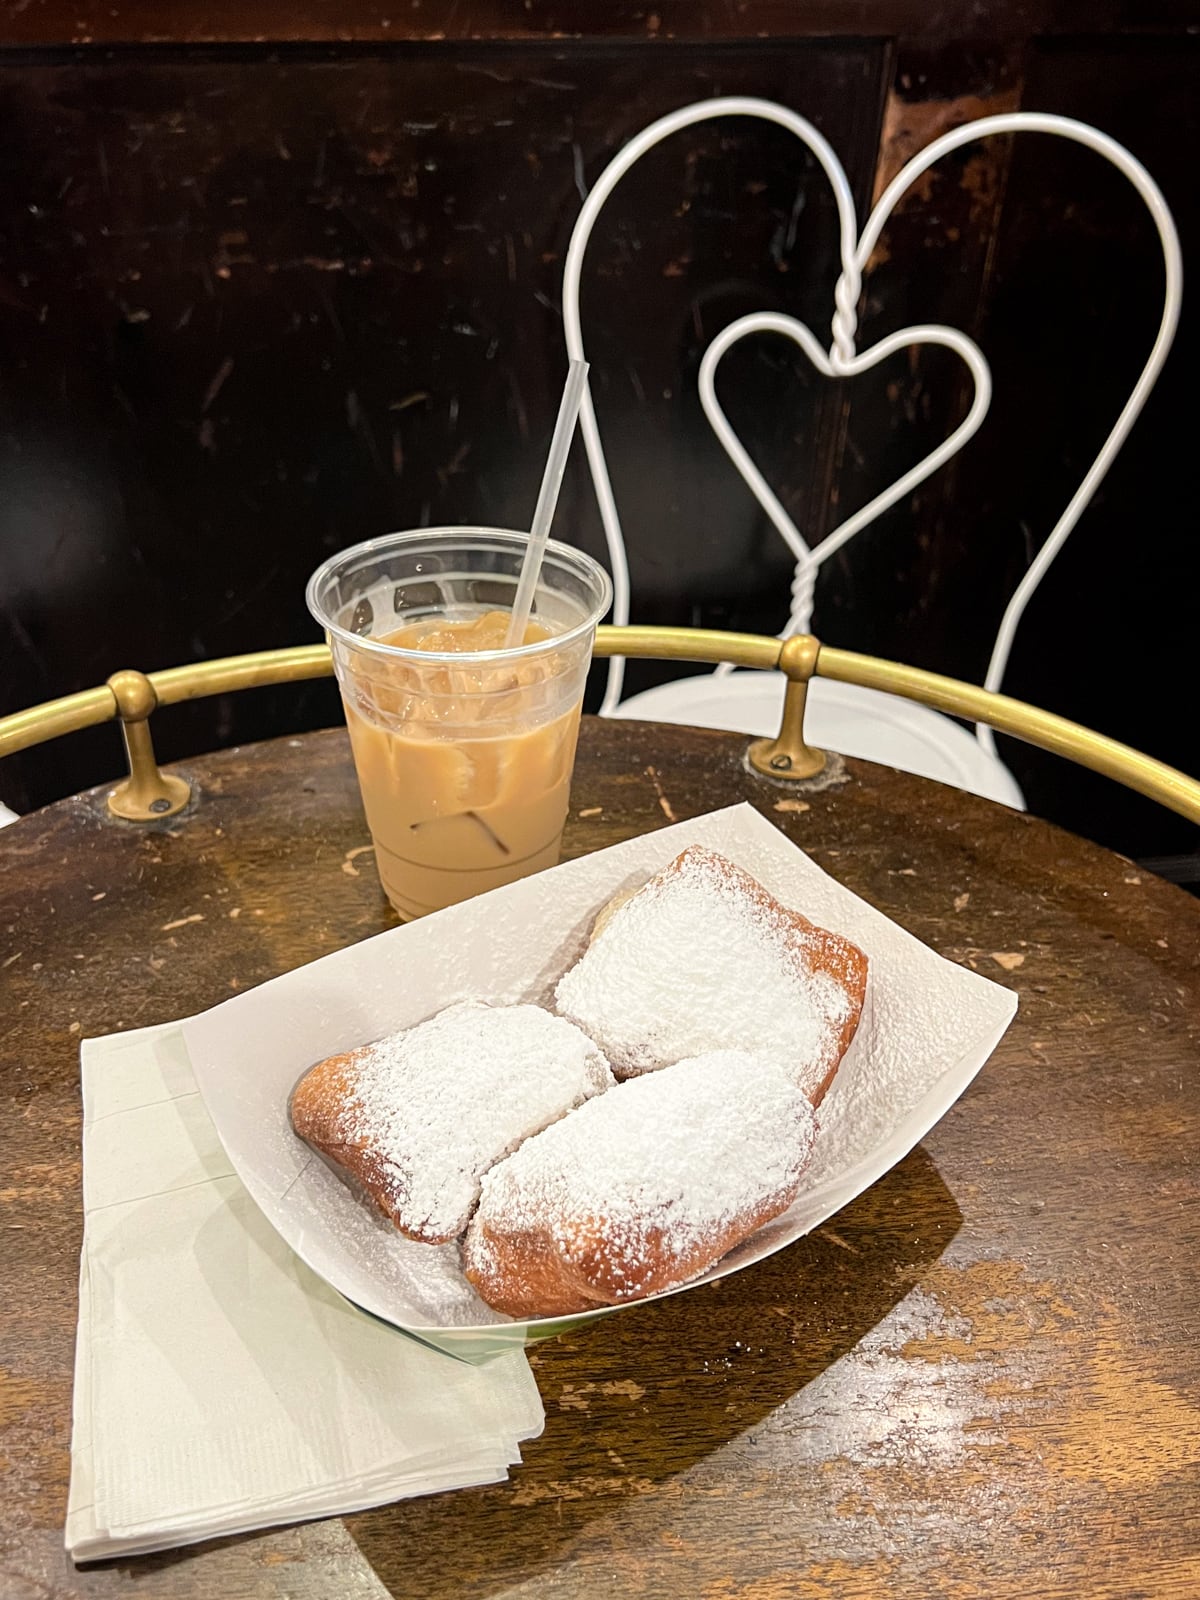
column 148, row 793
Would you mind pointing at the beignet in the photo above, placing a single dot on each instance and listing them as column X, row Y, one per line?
column 642, row 1188
column 417, row 1118
column 704, row 958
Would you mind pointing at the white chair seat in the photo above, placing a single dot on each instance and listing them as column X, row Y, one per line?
column 839, row 716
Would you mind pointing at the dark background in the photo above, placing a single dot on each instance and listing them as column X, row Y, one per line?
column 274, row 279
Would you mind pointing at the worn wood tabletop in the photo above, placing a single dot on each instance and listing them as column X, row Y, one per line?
column 981, row 1378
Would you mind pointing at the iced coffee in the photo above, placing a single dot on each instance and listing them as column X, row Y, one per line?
column 464, row 747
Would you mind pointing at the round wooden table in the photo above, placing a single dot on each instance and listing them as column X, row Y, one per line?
column 981, row 1379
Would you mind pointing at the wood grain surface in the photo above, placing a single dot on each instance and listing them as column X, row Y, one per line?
column 981, row 1378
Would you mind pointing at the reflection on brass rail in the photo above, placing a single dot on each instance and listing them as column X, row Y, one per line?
column 1121, row 762
column 689, row 644
column 56, row 717
column 800, row 658
column 232, row 673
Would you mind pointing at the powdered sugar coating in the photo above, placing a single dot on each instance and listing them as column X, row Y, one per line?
column 702, row 958
column 645, row 1186
column 437, row 1104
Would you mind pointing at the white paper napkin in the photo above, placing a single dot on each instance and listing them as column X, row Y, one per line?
column 220, row 1385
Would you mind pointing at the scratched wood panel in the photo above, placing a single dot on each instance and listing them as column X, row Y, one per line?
column 981, row 1379
column 257, row 309
column 898, row 589
column 100, row 22
column 1076, row 297
column 256, row 305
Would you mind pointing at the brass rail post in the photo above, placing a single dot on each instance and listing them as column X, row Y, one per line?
column 146, row 794
column 788, row 755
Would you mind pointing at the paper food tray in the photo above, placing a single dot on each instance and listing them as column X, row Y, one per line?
column 927, row 1029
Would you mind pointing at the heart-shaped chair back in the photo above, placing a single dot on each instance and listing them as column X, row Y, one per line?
column 843, row 358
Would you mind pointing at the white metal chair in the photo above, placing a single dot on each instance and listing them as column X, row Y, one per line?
column 855, row 721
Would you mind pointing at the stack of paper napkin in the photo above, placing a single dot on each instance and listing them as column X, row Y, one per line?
column 219, row 1384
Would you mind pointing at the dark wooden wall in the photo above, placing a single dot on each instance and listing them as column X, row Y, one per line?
column 274, row 279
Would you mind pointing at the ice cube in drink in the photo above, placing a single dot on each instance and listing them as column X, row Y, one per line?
column 465, row 770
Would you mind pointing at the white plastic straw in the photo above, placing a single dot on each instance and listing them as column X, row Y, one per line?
column 543, row 516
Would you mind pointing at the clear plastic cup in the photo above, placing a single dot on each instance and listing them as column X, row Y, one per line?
column 464, row 758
